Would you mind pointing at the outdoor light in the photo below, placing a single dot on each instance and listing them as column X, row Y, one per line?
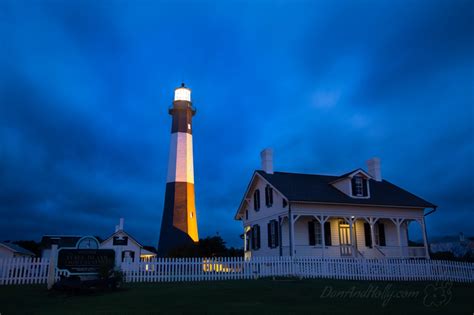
column 182, row 94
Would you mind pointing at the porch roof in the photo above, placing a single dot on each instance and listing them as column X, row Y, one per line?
column 317, row 188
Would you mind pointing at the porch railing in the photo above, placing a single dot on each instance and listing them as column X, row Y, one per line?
column 381, row 252
column 403, row 251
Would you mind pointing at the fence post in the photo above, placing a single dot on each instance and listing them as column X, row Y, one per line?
column 52, row 266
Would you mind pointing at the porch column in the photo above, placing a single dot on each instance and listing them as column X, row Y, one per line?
column 245, row 240
column 280, row 238
column 372, row 222
column 398, row 222
column 290, row 232
column 425, row 238
column 294, row 218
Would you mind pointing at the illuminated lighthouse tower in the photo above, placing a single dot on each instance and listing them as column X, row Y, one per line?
column 179, row 223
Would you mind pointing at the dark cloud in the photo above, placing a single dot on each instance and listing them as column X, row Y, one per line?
column 84, row 91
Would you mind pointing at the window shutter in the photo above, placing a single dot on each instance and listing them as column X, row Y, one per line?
column 327, row 233
column 277, row 234
column 269, row 234
column 364, row 187
column 353, row 182
column 270, row 195
column 368, row 238
column 266, row 195
column 312, row 239
column 255, row 200
column 381, row 234
column 258, row 199
column 252, row 238
column 258, row 236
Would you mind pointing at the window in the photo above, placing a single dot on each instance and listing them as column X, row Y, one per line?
column 268, row 196
column 315, row 234
column 379, row 234
column 128, row 255
column 359, row 186
column 273, row 236
column 246, row 214
column 256, row 200
column 255, row 237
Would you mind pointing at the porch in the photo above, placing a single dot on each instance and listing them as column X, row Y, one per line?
column 351, row 236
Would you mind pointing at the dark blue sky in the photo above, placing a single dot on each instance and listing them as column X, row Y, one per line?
column 85, row 87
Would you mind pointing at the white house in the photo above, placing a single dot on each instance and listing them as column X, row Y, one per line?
column 125, row 246
column 10, row 250
column 357, row 214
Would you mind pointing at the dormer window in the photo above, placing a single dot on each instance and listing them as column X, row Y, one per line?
column 359, row 186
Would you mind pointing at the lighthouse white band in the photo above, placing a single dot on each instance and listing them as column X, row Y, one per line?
column 180, row 164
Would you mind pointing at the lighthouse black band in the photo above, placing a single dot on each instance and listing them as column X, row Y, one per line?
column 182, row 113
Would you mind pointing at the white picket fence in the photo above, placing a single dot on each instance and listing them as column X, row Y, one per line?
column 205, row 269
column 35, row 270
column 25, row 271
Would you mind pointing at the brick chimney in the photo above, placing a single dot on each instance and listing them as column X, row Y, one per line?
column 374, row 168
column 267, row 160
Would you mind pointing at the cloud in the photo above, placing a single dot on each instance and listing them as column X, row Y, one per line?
column 85, row 87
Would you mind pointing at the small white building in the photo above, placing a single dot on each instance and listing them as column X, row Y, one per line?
column 357, row 214
column 10, row 250
column 125, row 246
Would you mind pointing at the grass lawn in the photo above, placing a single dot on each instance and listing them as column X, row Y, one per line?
column 250, row 296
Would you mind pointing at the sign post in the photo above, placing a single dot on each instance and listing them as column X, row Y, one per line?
column 52, row 266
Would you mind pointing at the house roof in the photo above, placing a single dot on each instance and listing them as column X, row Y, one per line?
column 60, row 240
column 317, row 188
column 349, row 174
column 16, row 248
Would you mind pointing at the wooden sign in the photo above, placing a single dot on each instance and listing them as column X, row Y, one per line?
column 78, row 261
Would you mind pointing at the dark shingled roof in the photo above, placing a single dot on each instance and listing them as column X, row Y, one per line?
column 317, row 188
column 60, row 240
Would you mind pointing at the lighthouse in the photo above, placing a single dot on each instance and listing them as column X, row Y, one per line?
column 179, row 222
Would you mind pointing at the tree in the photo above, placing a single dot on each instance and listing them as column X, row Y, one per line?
column 211, row 246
